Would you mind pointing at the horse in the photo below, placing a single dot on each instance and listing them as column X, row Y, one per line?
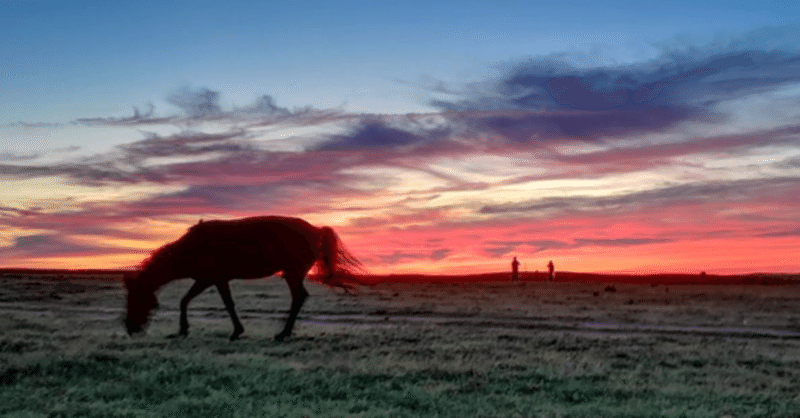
column 215, row 252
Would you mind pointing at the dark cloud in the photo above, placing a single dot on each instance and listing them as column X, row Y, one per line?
column 790, row 163
column 202, row 198
column 263, row 167
column 549, row 97
column 138, row 118
column 375, row 133
column 24, row 124
column 187, row 144
column 10, row 156
column 196, row 103
column 265, row 105
column 617, row 242
column 712, row 192
column 137, row 115
column 10, row 213
column 204, row 103
column 498, row 248
column 46, row 245
column 128, row 162
column 398, row 257
column 260, row 181
column 677, row 79
column 37, row 243
column 224, row 172
column 546, row 204
column 503, row 248
column 534, row 126
column 544, row 245
column 795, row 232
column 440, row 254
column 635, row 158
column 89, row 173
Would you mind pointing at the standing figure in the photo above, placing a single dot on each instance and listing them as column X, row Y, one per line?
column 552, row 269
column 514, row 270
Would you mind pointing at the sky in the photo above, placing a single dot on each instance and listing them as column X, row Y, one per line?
column 435, row 137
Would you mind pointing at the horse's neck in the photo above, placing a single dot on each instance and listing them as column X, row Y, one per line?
column 160, row 277
column 164, row 279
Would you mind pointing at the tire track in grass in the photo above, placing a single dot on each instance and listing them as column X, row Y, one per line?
column 388, row 319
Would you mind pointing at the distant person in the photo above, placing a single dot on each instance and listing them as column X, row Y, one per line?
column 514, row 270
column 552, row 268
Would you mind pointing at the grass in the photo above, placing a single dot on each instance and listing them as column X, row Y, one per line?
column 59, row 364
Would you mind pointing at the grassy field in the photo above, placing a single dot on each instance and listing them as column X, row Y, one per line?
column 406, row 350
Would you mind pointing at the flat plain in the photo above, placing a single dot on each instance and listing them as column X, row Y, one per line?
column 586, row 347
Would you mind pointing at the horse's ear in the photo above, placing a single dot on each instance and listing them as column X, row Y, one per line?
column 201, row 221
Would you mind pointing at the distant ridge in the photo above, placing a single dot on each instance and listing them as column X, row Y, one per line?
column 563, row 276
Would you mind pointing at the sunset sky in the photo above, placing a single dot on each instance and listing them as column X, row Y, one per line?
column 434, row 136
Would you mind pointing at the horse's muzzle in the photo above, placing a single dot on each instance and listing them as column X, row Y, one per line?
column 133, row 328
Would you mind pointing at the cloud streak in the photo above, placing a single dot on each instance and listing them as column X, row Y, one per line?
column 720, row 192
column 683, row 84
column 551, row 159
column 372, row 133
column 196, row 103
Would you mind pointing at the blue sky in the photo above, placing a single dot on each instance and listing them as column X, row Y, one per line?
column 434, row 136
column 66, row 60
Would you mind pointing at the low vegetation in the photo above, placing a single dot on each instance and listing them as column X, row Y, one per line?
column 480, row 350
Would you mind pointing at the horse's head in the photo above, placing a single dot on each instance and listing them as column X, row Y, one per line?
column 141, row 302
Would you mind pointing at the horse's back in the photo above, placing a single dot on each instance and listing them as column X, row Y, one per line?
column 254, row 247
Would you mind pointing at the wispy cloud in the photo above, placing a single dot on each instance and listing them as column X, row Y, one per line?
column 372, row 133
column 186, row 144
column 719, row 192
column 550, row 97
column 196, row 103
column 498, row 249
column 551, row 157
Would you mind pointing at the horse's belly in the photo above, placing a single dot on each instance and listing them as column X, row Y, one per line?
column 236, row 260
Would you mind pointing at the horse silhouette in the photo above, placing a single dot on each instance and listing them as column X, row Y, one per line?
column 215, row 252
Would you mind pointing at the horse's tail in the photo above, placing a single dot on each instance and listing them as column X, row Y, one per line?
column 338, row 267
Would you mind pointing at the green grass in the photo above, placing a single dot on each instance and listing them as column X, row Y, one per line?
column 70, row 366
column 398, row 373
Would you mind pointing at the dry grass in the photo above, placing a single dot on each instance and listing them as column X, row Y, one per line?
column 473, row 349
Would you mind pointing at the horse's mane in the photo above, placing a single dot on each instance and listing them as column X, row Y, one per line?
column 158, row 256
column 167, row 251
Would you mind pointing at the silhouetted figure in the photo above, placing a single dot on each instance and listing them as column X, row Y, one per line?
column 552, row 268
column 514, row 270
column 215, row 252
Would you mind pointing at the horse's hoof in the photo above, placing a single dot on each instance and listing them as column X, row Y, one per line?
column 176, row 336
column 281, row 336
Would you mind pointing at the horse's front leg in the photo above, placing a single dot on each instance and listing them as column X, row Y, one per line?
column 225, row 293
column 299, row 295
column 197, row 288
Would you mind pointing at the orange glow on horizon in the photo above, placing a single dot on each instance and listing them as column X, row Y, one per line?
column 426, row 243
column 711, row 256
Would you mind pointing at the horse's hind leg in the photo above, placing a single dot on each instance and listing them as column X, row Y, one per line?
column 225, row 293
column 299, row 295
column 197, row 288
